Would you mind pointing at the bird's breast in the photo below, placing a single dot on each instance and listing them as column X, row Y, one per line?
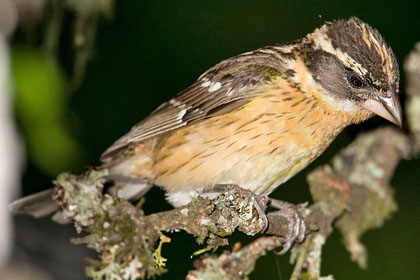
column 257, row 147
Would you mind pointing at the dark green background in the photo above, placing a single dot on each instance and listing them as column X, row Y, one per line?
column 150, row 50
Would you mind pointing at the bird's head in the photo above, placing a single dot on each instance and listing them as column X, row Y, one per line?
column 356, row 68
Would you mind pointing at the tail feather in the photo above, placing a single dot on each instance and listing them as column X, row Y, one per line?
column 37, row 205
column 41, row 204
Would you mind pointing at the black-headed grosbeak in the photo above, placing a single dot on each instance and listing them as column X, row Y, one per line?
column 257, row 119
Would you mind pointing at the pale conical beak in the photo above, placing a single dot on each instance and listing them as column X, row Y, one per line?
column 386, row 107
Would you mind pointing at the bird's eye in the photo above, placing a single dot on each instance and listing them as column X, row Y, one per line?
column 355, row 81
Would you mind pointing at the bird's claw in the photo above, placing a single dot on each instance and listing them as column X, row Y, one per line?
column 259, row 201
column 260, row 206
column 297, row 226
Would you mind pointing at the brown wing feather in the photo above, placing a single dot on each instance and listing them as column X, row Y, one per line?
column 223, row 88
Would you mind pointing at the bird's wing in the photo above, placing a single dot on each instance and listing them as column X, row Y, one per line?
column 227, row 86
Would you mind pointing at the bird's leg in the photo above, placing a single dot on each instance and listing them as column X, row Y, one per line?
column 259, row 201
column 297, row 226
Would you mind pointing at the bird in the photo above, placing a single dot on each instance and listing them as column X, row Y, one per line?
column 256, row 119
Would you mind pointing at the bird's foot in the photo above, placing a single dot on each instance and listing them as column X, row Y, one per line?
column 259, row 201
column 297, row 226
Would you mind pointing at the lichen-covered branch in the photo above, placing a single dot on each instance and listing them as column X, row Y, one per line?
column 234, row 265
column 128, row 240
column 351, row 194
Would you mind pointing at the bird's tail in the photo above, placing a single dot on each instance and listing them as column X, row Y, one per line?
column 41, row 204
column 37, row 205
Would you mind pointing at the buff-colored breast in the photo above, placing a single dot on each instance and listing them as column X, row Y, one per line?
column 256, row 147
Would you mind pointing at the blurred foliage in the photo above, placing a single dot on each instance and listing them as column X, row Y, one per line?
column 41, row 102
column 150, row 50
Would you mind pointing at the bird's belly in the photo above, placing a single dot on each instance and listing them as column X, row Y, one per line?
column 260, row 176
column 258, row 165
column 258, row 152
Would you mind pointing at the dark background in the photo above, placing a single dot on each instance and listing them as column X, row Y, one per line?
column 145, row 53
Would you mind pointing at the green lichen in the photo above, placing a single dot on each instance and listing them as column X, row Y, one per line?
column 160, row 262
